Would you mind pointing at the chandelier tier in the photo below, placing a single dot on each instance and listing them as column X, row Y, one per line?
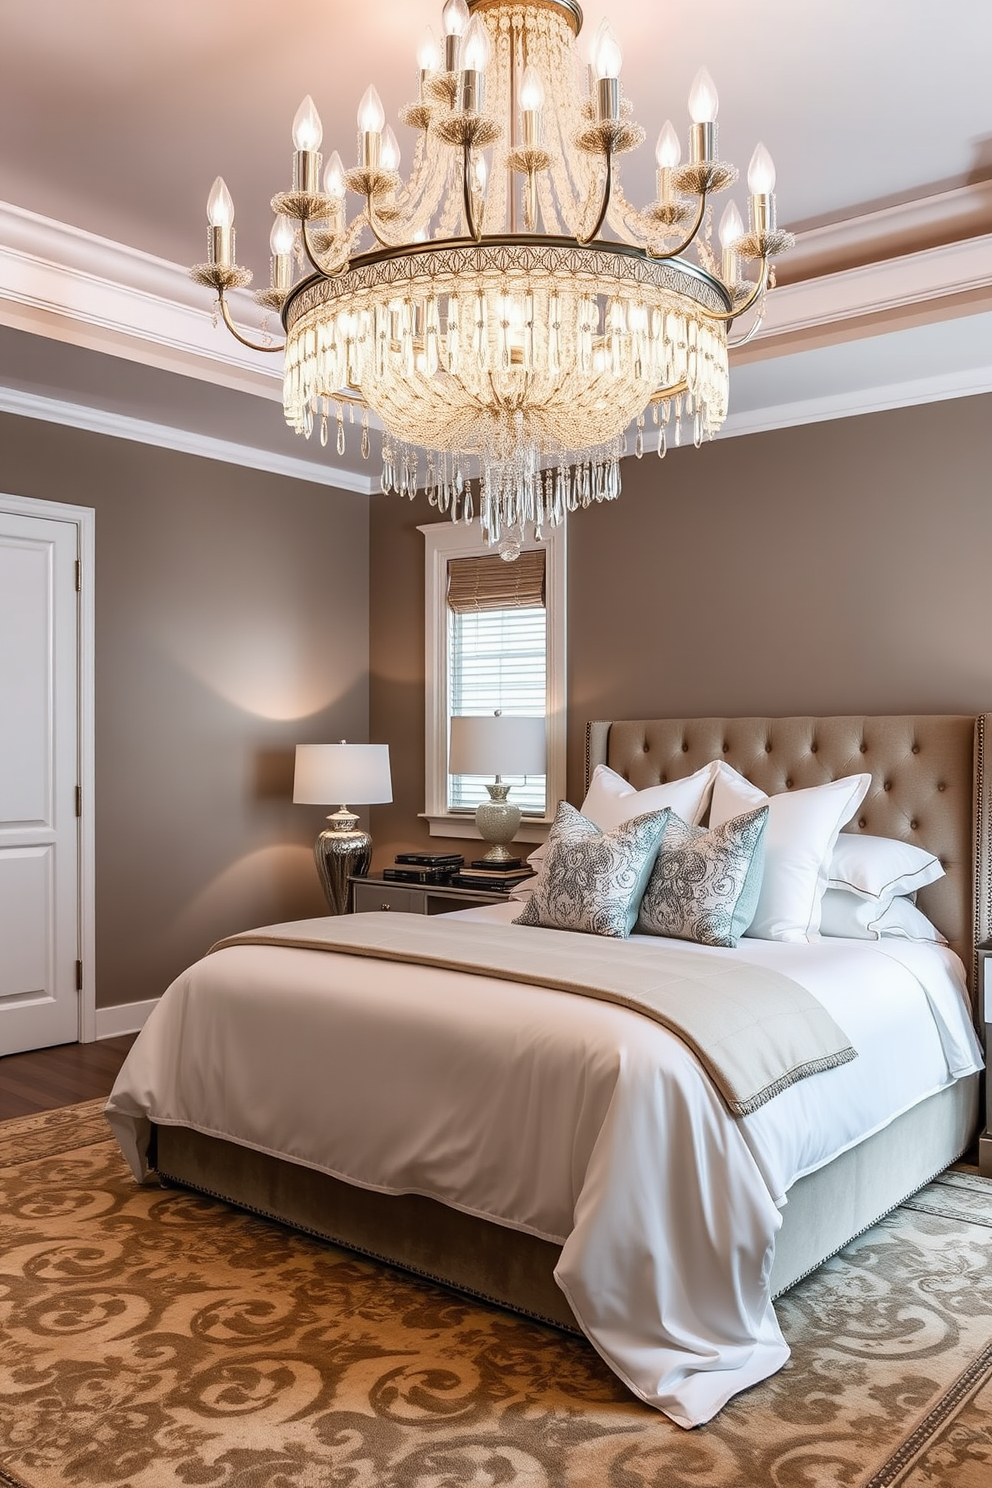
column 505, row 344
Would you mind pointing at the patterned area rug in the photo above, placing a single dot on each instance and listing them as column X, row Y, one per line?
column 151, row 1338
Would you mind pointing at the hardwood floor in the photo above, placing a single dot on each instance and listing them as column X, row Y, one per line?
column 47, row 1078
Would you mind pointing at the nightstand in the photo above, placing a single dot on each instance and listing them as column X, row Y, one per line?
column 985, row 1017
column 386, row 893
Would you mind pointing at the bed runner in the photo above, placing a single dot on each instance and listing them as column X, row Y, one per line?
column 755, row 1031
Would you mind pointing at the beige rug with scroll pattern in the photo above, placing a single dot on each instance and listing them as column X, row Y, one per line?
column 150, row 1339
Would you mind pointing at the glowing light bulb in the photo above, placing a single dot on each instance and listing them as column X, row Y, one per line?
column 731, row 226
column 668, row 151
column 608, row 58
column 307, row 128
column 390, row 156
column 371, row 114
column 334, row 182
column 455, row 18
column 476, row 48
column 761, row 173
column 479, row 173
column 428, row 54
column 704, row 101
column 283, row 235
column 220, row 205
column 531, row 90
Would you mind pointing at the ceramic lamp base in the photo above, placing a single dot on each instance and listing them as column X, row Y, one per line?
column 497, row 820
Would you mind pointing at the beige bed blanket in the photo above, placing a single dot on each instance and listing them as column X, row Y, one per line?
column 755, row 1031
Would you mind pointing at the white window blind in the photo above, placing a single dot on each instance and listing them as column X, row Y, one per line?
column 497, row 659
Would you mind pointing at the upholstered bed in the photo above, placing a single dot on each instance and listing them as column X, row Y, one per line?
column 928, row 786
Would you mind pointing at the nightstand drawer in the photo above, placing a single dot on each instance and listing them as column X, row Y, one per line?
column 400, row 897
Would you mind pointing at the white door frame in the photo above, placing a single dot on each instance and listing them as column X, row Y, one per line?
column 84, row 520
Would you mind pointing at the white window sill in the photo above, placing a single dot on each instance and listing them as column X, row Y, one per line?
column 531, row 829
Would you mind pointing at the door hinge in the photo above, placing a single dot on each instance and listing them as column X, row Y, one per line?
column 79, row 576
column 79, row 800
column 79, row 976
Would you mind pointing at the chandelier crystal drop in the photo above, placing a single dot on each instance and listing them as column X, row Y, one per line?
column 504, row 311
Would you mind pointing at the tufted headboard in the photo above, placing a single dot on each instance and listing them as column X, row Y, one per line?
column 929, row 786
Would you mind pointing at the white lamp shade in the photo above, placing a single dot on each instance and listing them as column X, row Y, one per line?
column 338, row 774
column 497, row 745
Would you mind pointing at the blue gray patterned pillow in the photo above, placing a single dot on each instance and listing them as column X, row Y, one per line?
column 593, row 880
column 705, row 884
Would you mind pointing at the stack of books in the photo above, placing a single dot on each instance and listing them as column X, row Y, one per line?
column 424, row 867
column 497, row 878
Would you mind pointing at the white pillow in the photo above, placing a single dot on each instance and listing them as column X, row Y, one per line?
column 857, row 918
column 880, row 868
column 610, row 801
column 803, row 826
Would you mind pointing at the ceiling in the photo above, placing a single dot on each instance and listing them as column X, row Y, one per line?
column 115, row 116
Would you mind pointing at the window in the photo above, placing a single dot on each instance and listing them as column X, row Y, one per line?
column 495, row 640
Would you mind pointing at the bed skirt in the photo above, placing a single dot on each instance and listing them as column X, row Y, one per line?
column 825, row 1210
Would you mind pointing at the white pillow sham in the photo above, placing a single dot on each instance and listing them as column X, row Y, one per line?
column 880, row 868
column 803, row 826
column 610, row 801
column 857, row 918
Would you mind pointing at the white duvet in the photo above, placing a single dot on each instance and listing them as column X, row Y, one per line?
column 581, row 1122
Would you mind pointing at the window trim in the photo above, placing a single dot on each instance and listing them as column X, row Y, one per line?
column 442, row 541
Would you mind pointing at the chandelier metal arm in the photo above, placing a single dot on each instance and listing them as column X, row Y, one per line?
column 757, row 291
column 321, row 268
column 474, row 227
column 252, row 345
column 605, row 204
column 687, row 240
column 748, row 334
column 377, row 229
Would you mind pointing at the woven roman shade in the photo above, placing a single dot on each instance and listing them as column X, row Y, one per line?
column 489, row 583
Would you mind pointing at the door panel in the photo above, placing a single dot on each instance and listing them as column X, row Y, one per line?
column 38, row 775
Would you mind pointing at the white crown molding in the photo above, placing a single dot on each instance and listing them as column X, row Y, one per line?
column 890, row 232
column 165, row 436
column 58, row 281
column 856, row 401
column 879, row 289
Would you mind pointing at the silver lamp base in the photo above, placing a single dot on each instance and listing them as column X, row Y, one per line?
column 339, row 852
column 497, row 820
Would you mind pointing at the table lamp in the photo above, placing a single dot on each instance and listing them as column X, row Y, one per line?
column 326, row 773
column 497, row 744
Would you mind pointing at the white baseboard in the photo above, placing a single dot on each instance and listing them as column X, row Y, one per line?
column 128, row 1017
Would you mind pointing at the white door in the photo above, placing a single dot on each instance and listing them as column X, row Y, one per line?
column 39, row 773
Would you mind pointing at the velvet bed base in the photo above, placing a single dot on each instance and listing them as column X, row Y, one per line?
column 928, row 785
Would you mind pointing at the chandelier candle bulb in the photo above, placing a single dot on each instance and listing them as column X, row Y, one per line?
column 532, row 105
column 607, row 64
column 731, row 232
column 761, row 184
column 704, row 103
column 220, row 215
column 389, row 155
column 476, row 54
column 281, row 241
column 667, row 154
column 371, row 118
column 307, row 135
column 455, row 20
column 428, row 59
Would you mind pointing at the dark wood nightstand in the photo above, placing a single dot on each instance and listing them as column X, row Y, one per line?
column 373, row 893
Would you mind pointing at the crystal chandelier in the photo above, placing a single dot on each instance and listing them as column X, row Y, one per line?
column 504, row 344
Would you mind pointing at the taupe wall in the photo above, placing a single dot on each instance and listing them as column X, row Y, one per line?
column 226, row 633
column 837, row 567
